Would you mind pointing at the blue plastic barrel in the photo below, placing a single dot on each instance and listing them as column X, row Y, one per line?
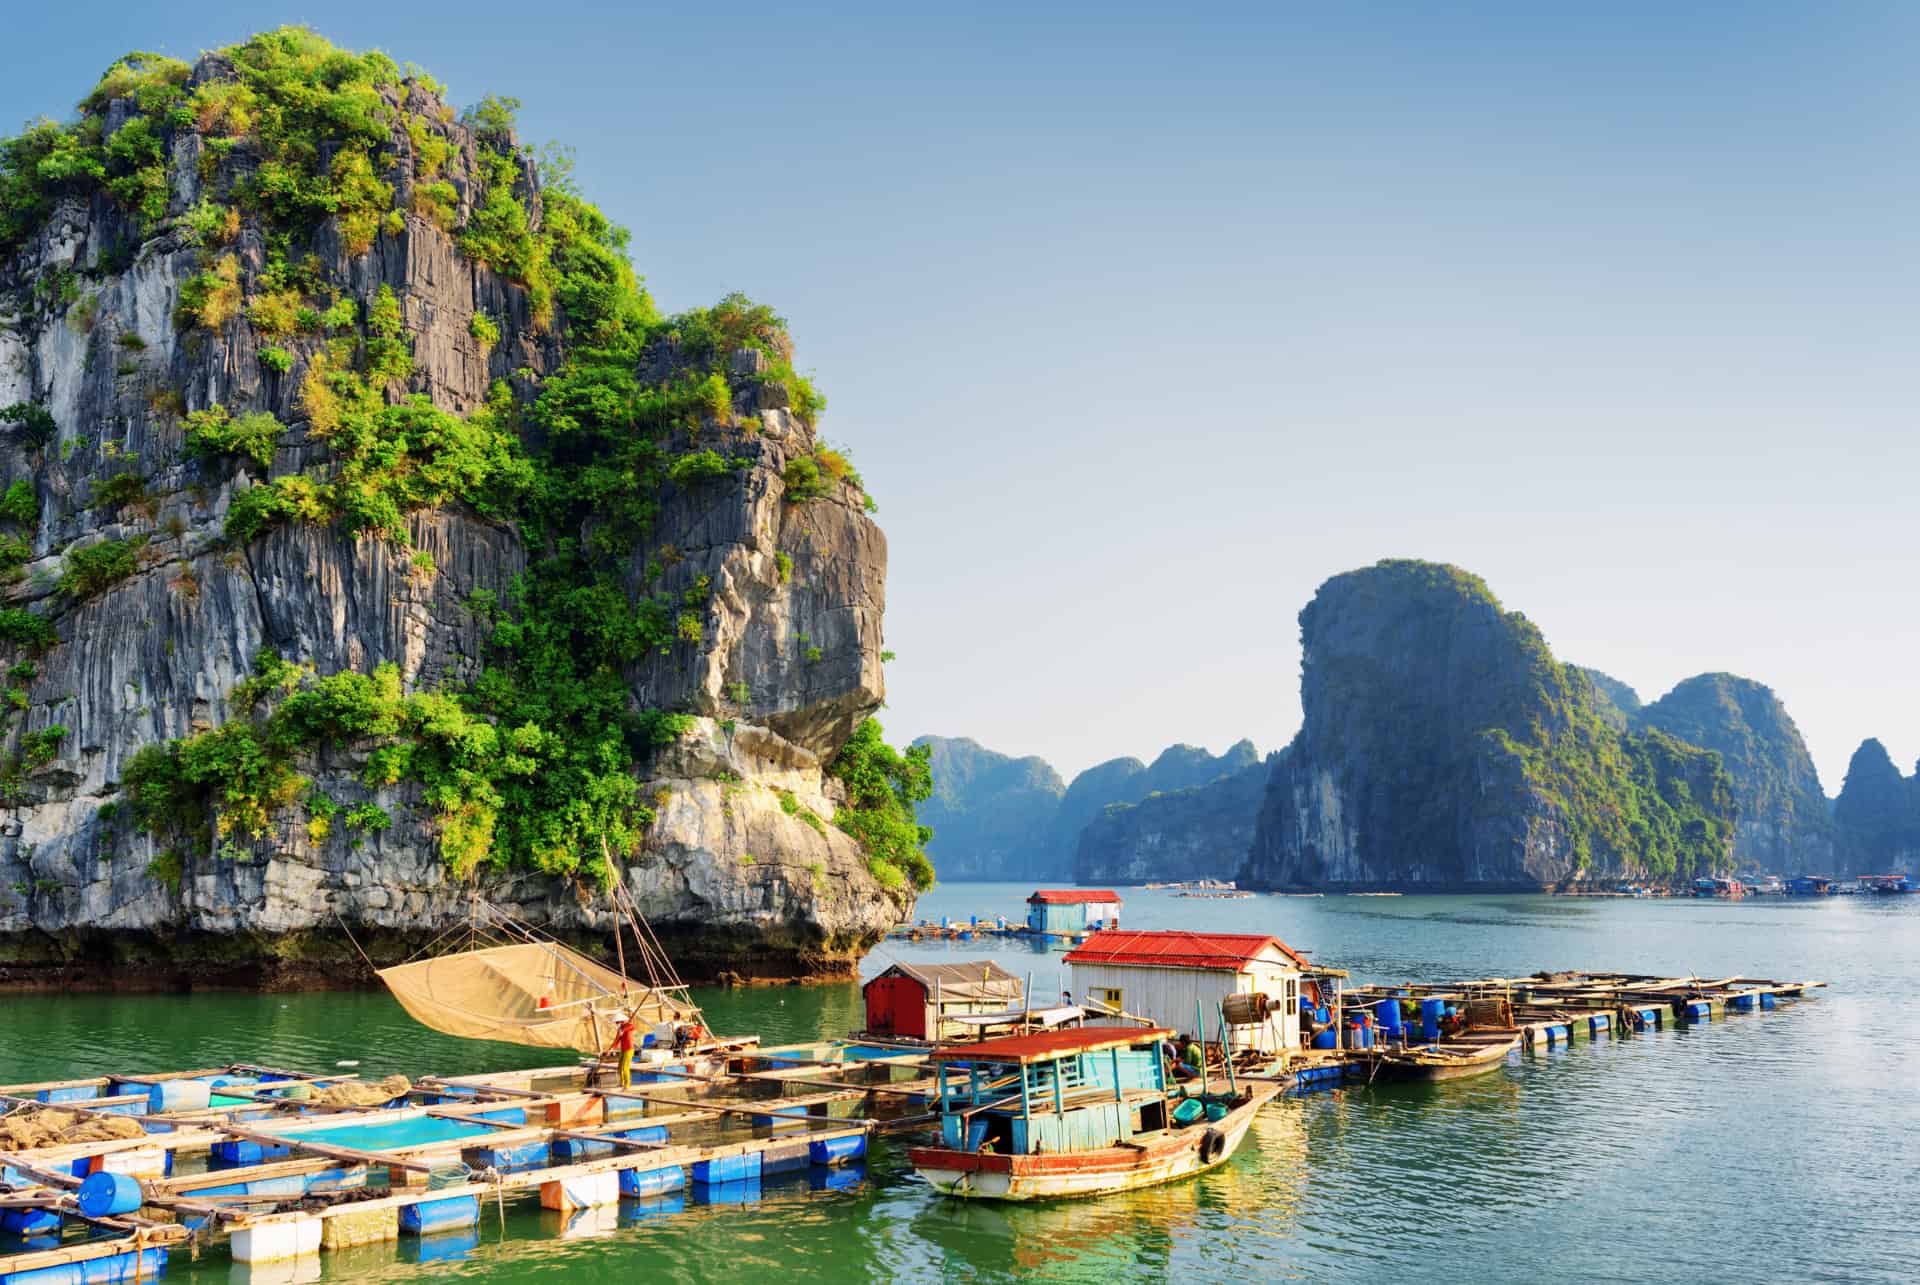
column 1326, row 1039
column 103, row 1195
column 1430, row 1011
column 178, row 1095
column 833, row 1151
column 1387, row 1014
column 30, row 1222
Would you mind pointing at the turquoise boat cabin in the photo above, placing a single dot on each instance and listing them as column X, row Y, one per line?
column 1072, row 910
column 1078, row 1089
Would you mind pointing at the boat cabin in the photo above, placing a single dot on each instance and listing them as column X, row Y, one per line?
column 1072, row 911
column 924, row 1001
column 1179, row 978
column 1052, row 1091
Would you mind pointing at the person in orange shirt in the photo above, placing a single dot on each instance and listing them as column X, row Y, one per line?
column 623, row 1041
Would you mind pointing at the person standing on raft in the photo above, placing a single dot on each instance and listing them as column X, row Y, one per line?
column 623, row 1041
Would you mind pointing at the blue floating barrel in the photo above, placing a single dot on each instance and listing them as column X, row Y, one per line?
column 1430, row 1011
column 437, row 1215
column 103, row 1195
column 1766, row 1001
column 1740, row 1002
column 29, row 1222
column 1387, row 1013
column 724, row 1169
column 179, row 1095
column 1599, row 1022
column 1326, row 1039
column 833, row 1151
column 1699, row 1011
column 651, row 1182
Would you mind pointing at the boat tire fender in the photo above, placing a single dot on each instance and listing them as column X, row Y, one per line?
column 1212, row 1143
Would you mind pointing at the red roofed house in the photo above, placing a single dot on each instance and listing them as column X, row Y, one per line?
column 1166, row 976
column 1068, row 910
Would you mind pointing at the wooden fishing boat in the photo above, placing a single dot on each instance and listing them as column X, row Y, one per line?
column 1072, row 1113
column 1469, row 1053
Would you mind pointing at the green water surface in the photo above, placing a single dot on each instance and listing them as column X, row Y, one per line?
column 1777, row 1146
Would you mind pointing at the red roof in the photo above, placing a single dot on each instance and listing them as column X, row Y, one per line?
column 1074, row 896
column 1229, row 951
column 1045, row 1046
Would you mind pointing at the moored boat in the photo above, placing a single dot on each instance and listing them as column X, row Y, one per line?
column 1459, row 1056
column 1071, row 1113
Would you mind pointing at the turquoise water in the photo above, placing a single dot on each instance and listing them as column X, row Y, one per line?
column 1773, row 1146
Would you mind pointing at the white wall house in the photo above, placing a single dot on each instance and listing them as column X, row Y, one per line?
column 1162, row 976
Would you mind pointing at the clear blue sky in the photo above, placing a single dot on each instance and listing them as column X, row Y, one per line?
column 1141, row 325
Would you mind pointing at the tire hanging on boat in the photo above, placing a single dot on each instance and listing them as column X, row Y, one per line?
column 1212, row 1143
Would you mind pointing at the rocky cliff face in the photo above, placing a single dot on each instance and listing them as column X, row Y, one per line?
column 991, row 815
column 1620, row 704
column 995, row 817
column 1128, row 780
column 1201, row 832
column 1783, row 826
column 1877, row 815
column 1444, row 748
column 150, row 310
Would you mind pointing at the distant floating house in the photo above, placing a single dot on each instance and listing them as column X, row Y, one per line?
column 1811, row 886
column 921, row 1001
column 1176, row 978
column 1072, row 910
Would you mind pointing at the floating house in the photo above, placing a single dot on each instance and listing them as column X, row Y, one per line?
column 1178, row 978
column 1070, row 911
column 922, row 1001
column 1812, row 886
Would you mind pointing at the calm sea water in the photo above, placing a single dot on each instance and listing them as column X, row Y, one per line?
column 1777, row 1146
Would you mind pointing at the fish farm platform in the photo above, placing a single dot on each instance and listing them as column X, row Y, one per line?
column 101, row 1178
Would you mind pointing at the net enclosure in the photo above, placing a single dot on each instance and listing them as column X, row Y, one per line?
column 531, row 992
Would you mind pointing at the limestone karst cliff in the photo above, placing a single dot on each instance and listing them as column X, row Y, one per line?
column 1200, row 832
column 1444, row 748
column 996, row 817
column 372, row 541
column 1877, row 814
column 991, row 815
column 1784, row 825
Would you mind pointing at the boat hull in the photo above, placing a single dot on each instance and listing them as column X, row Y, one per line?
column 1413, row 1065
column 1078, row 1174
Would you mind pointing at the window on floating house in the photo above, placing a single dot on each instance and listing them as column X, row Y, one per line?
column 1106, row 996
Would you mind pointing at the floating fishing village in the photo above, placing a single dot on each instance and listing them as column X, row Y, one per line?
column 1148, row 1070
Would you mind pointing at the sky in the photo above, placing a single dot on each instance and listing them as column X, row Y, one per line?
column 1140, row 324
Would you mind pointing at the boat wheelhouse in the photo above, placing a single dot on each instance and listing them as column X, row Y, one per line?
column 1075, row 1112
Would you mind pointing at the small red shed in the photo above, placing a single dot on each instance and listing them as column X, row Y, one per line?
column 909, row 1001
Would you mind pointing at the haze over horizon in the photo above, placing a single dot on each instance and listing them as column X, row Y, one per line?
column 1140, row 328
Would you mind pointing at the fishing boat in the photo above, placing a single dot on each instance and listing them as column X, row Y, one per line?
column 1072, row 1113
column 1468, row 1053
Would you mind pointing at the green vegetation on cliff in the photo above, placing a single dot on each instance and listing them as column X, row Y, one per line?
column 1463, row 752
column 1877, row 812
column 315, row 147
column 1783, row 820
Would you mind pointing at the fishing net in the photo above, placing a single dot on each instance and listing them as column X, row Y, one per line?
column 534, row 992
column 31, row 1128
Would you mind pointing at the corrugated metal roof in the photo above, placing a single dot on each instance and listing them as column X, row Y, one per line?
column 1075, row 897
column 1229, row 951
column 984, row 980
column 1045, row 1046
